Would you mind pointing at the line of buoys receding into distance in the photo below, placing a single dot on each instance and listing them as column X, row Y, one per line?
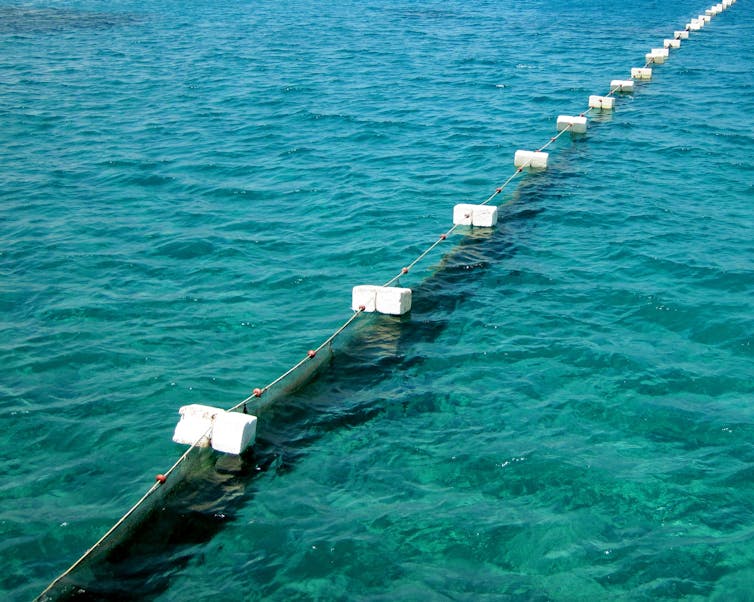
column 233, row 431
column 397, row 301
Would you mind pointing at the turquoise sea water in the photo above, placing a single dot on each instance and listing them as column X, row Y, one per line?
column 188, row 192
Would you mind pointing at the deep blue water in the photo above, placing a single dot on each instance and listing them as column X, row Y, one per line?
column 188, row 192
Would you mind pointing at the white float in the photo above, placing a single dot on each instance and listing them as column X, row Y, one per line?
column 576, row 124
column 393, row 300
column 227, row 432
column 705, row 18
column 601, row 102
column 390, row 300
column 641, row 73
column 622, row 85
column 681, row 35
column 195, row 425
column 694, row 25
column 233, row 432
column 657, row 55
column 530, row 159
column 364, row 296
column 483, row 216
column 672, row 43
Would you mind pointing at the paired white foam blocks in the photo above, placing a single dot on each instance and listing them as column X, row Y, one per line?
column 601, row 102
column 530, row 159
column 657, row 55
column 641, row 73
column 681, row 35
column 390, row 300
column 228, row 432
column 672, row 43
column 694, row 25
column 622, row 85
column 483, row 216
column 576, row 124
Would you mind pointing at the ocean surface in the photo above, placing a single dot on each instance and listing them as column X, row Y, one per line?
column 188, row 193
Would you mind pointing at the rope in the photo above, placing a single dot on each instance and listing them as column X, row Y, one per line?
column 159, row 481
column 258, row 392
column 310, row 356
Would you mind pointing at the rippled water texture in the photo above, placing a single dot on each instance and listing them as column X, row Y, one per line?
column 188, row 192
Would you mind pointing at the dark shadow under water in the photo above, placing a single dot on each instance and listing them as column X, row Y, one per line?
column 142, row 567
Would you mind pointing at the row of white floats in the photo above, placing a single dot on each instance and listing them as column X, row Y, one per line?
column 233, row 432
column 397, row 301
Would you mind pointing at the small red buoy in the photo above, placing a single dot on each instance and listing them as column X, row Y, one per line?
column 311, row 353
column 160, row 478
column 404, row 270
column 443, row 236
column 257, row 392
column 362, row 307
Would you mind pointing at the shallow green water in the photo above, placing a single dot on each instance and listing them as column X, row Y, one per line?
column 188, row 194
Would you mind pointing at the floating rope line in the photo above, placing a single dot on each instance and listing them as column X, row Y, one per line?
column 161, row 479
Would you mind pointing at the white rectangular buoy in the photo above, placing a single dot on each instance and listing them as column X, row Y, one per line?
column 641, row 73
column 681, row 35
column 657, row 55
column 534, row 160
column 383, row 299
column 576, row 124
column 463, row 214
column 195, row 425
column 483, row 216
column 233, row 432
column 601, row 102
column 364, row 295
column 393, row 300
column 705, row 18
column 622, row 85
column 694, row 25
column 672, row 43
